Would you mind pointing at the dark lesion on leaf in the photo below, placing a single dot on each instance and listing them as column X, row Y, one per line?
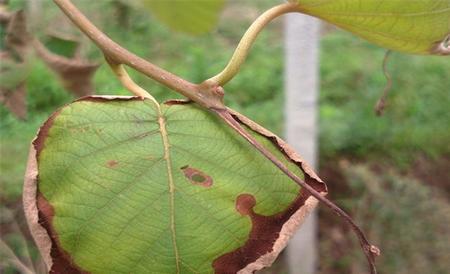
column 44, row 130
column 267, row 230
column 245, row 204
column 61, row 259
column 264, row 233
column 196, row 176
column 112, row 163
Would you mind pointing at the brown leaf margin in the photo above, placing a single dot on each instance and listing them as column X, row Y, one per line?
column 294, row 221
column 289, row 228
column 287, row 231
column 29, row 199
column 39, row 212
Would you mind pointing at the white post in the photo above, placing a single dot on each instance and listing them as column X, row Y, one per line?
column 301, row 90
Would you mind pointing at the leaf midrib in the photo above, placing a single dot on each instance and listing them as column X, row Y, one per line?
column 165, row 140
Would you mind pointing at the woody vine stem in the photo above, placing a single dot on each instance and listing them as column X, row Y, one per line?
column 208, row 94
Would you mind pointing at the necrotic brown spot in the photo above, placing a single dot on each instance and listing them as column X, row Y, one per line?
column 112, row 163
column 245, row 204
column 62, row 261
column 264, row 232
column 196, row 176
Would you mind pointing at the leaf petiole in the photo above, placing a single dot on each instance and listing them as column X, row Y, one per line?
column 247, row 40
column 125, row 79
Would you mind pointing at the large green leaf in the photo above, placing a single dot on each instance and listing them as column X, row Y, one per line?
column 413, row 26
column 193, row 16
column 124, row 187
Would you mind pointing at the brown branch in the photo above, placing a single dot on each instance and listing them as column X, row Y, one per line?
column 370, row 251
column 201, row 94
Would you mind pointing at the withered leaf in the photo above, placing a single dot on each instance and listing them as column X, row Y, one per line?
column 15, row 100
column 13, row 63
column 17, row 38
column 75, row 73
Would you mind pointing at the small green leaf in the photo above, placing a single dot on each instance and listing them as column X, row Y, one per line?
column 194, row 16
column 124, row 187
column 412, row 26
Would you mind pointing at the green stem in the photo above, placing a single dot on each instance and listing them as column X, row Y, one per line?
column 125, row 79
column 243, row 48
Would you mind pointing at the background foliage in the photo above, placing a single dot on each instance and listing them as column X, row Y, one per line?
column 398, row 163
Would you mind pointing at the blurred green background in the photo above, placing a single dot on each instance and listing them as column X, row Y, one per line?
column 391, row 172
